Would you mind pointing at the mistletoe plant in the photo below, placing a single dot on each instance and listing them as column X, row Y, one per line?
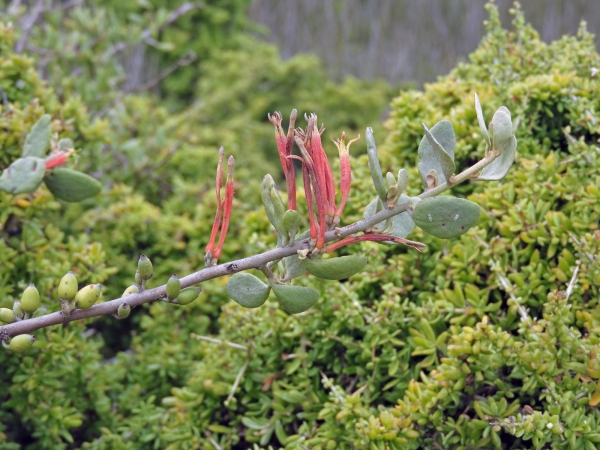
column 35, row 165
column 389, row 218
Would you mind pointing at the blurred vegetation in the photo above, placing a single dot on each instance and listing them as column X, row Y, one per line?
column 424, row 350
column 402, row 40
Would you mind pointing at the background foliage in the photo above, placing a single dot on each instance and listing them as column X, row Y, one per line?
column 472, row 344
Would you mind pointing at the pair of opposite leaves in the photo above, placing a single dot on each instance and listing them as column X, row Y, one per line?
column 26, row 173
column 250, row 292
column 449, row 217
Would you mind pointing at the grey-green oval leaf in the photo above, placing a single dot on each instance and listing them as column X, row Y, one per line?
column 502, row 128
column 23, row 175
column 402, row 224
column 295, row 299
column 481, row 120
column 499, row 167
column 71, row 186
column 336, row 268
column 446, row 217
column 374, row 166
column 436, row 151
column 247, row 290
column 38, row 139
column 294, row 267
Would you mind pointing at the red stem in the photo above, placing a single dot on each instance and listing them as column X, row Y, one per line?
column 374, row 237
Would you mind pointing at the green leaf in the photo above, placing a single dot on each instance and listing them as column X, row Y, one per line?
column 38, row 139
column 274, row 212
column 375, row 167
column 402, row 180
column 499, row 167
column 23, row 175
column 295, row 299
column 446, row 217
column 247, row 290
column 291, row 221
column 294, row 267
column 436, row 151
column 71, row 186
column 481, row 120
column 401, row 224
column 65, row 144
column 336, row 268
column 501, row 127
column 257, row 423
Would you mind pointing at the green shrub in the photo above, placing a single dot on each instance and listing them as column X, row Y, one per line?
column 417, row 351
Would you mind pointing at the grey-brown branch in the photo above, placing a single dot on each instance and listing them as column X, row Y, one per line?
column 251, row 262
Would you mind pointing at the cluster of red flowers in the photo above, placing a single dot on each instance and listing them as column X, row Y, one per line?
column 319, row 185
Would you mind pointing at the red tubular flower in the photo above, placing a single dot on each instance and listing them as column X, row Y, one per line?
column 217, row 222
column 323, row 169
column 374, row 237
column 312, row 174
column 57, row 159
column 284, row 148
column 345, row 171
column 227, row 208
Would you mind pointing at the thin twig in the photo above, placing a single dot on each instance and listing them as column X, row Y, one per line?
column 182, row 10
column 186, row 60
column 67, row 5
column 572, row 282
column 219, row 341
column 240, row 374
column 251, row 262
column 208, row 434
column 27, row 24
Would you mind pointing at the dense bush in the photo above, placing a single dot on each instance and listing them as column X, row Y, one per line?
column 472, row 344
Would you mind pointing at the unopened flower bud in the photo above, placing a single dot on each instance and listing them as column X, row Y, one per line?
column 145, row 268
column 138, row 278
column 188, row 295
column 173, row 287
column 17, row 309
column 123, row 311
column 41, row 311
column 7, row 315
column 21, row 343
column 67, row 289
column 87, row 296
column 30, row 300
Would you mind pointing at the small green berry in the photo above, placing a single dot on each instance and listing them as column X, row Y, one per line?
column 87, row 296
column 7, row 315
column 173, row 287
column 123, row 311
column 67, row 289
column 30, row 300
column 145, row 268
column 21, row 343
column 133, row 289
column 188, row 295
